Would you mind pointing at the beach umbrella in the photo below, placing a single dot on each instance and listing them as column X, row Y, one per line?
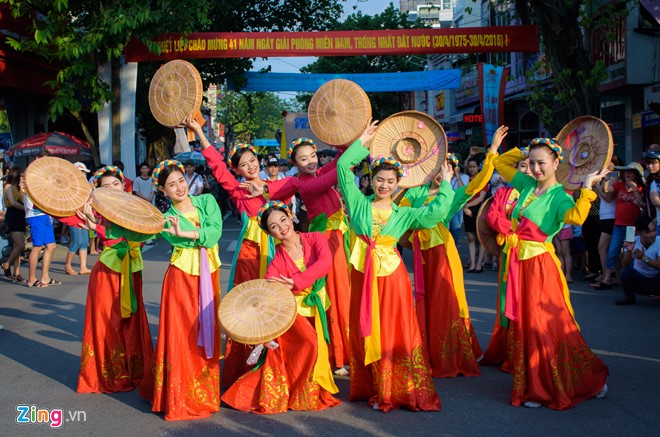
column 57, row 143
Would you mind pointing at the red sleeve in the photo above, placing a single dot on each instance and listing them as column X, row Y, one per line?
column 128, row 185
column 276, row 266
column 316, row 245
column 283, row 189
column 73, row 221
column 320, row 184
column 100, row 231
column 219, row 169
column 496, row 217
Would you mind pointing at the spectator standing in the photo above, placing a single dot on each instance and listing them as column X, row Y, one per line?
column 143, row 186
column 628, row 202
column 79, row 240
column 470, row 211
column 14, row 222
column 194, row 180
column 652, row 186
column 43, row 237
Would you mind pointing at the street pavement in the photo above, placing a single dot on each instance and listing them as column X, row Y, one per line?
column 40, row 353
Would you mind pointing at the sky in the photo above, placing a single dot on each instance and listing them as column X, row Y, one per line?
column 293, row 64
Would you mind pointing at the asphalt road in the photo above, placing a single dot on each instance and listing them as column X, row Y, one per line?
column 40, row 353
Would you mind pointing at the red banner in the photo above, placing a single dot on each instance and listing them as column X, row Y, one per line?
column 339, row 43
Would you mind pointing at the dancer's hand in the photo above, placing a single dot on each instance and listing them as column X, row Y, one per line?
column 595, row 177
column 369, row 132
column 446, row 171
column 498, row 136
column 287, row 282
column 254, row 190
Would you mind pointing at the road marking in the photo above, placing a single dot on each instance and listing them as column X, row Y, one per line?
column 617, row 354
column 232, row 246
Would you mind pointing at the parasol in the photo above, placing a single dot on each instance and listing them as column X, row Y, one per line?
column 57, row 143
column 587, row 144
column 414, row 139
column 56, row 186
column 487, row 236
column 338, row 112
column 257, row 311
column 128, row 211
column 195, row 157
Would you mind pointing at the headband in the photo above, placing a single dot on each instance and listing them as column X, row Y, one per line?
column 386, row 160
column 107, row 169
column 160, row 167
column 524, row 153
column 451, row 157
column 298, row 141
column 550, row 143
column 266, row 206
column 240, row 146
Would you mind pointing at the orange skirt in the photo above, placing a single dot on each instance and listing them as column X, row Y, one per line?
column 184, row 383
column 338, row 288
column 401, row 378
column 452, row 344
column 116, row 352
column 552, row 363
column 236, row 354
column 284, row 381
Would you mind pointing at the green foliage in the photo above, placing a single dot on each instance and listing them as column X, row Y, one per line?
column 383, row 104
column 251, row 115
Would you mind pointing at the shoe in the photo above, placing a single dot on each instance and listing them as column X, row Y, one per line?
column 342, row 371
column 471, row 270
column 487, row 266
column 625, row 301
column 601, row 286
column 494, row 268
column 36, row 284
column 53, row 282
column 7, row 271
column 375, row 407
column 530, row 404
column 478, row 271
column 602, row 393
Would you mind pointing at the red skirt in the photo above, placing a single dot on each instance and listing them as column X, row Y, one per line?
column 552, row 363
column 236, row 354
column 116, row 352
column 184, row 383
column 284, row 381
column 452, row 344
column 338, row 288
column 401, row 378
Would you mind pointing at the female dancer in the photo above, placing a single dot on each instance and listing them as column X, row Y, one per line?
column 296, row 375
column 15, row 222
column 553, row 366
column 325, row 211
column 255, row 248
column 441, row 308
column 116, row 345
column 389, row 367
column 184, row 378
column 498, row 352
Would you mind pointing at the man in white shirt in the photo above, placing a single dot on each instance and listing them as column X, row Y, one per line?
column 195, row 182
column 643, row 276
column 143, row 186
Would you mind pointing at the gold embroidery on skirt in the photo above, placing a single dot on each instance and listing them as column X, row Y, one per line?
column 274, row 390
column 204, row 389
column 404, row 375
column 308, row 397
column 87, row 353
column 570, row 364
column 114, row 369
column 158, row 370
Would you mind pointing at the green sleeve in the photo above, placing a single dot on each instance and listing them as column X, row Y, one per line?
column 417, row 196
column 436, row 211
column 115, row 232
column 211, row 230
column 354, row 198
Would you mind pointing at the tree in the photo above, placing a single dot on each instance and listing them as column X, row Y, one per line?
column 382, row 104
column 81, row 35
column 566, row 27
